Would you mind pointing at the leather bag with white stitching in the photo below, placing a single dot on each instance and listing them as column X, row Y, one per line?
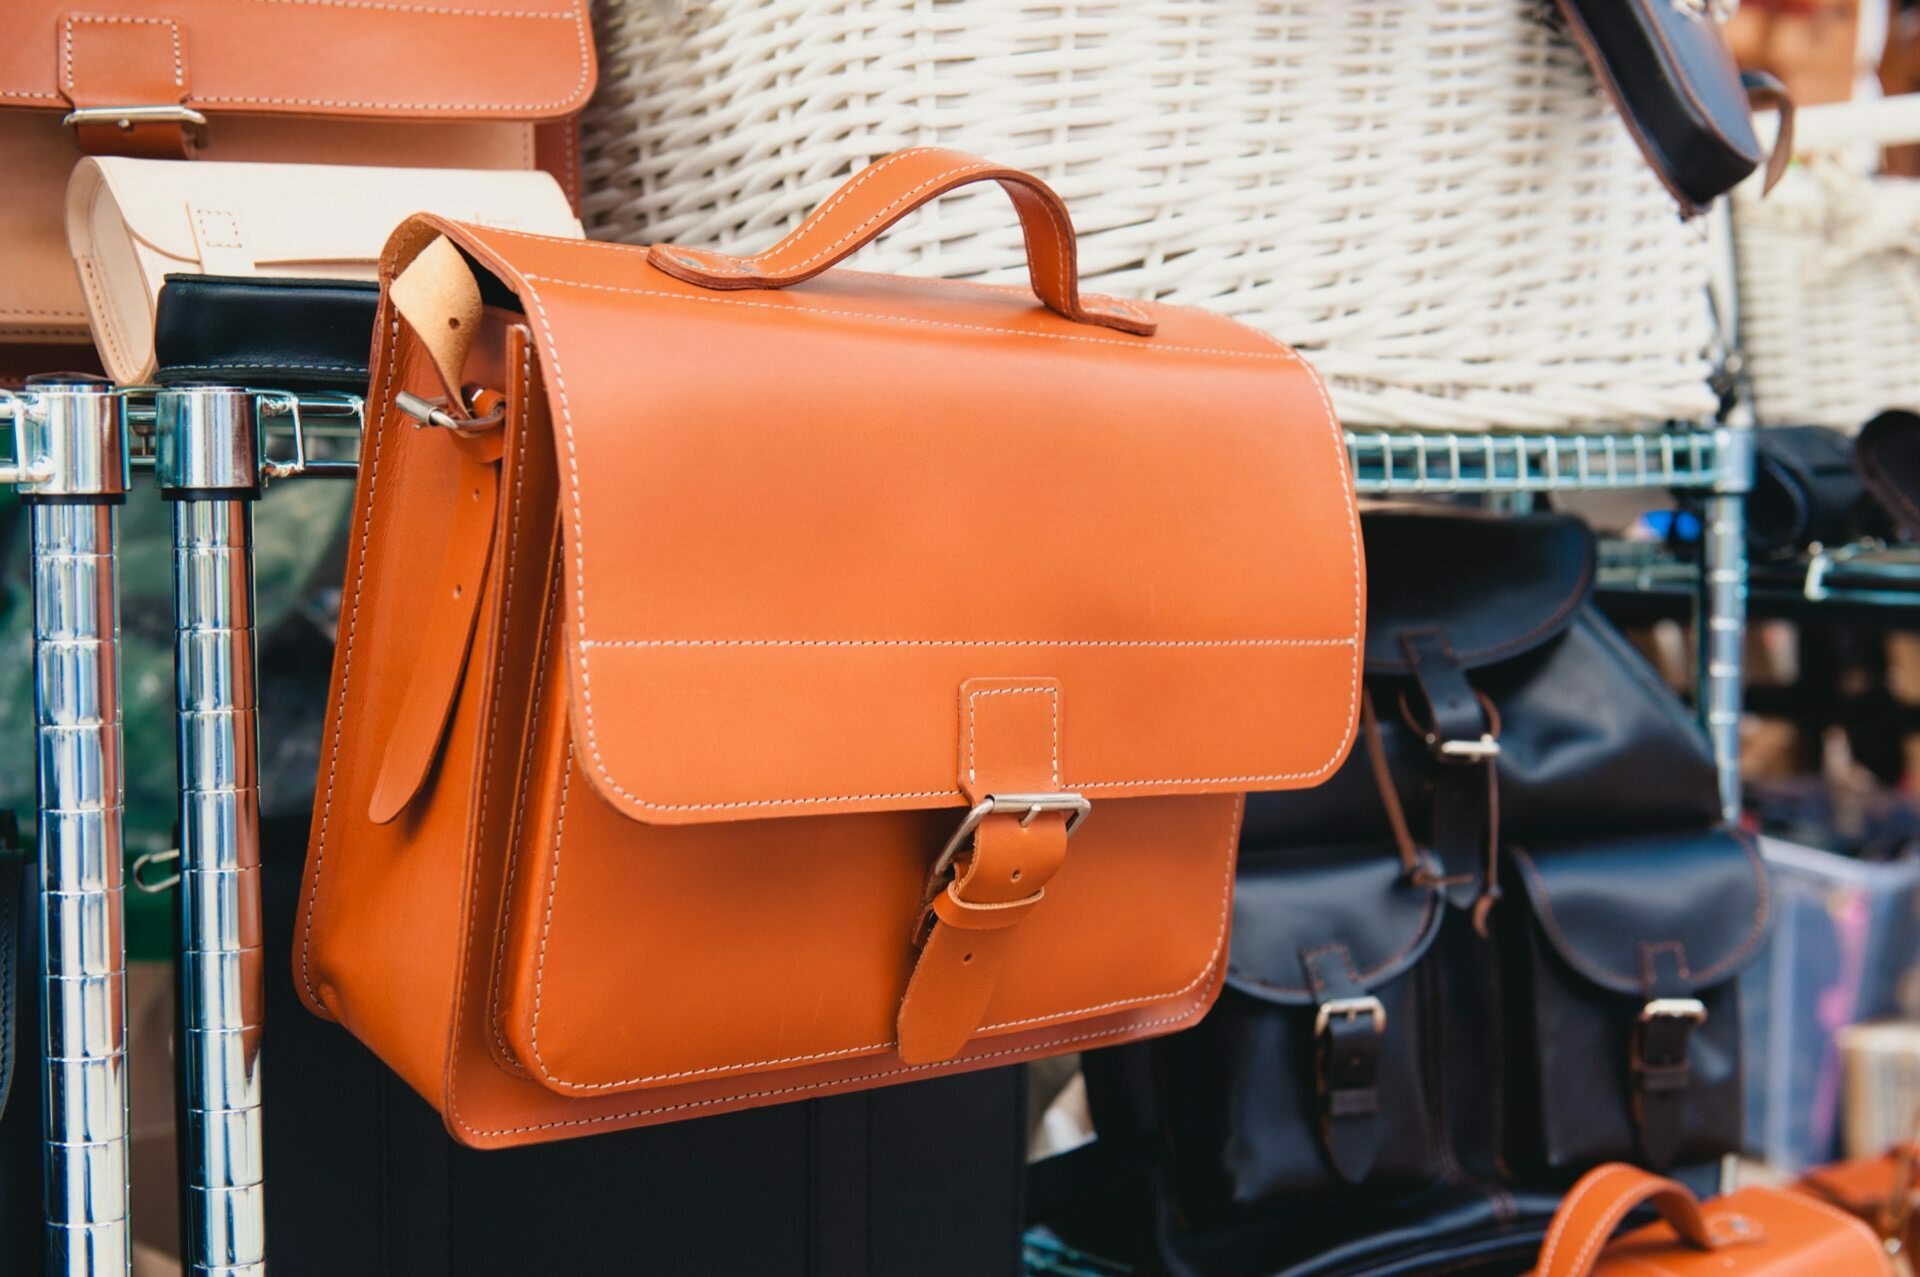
column 758, row 680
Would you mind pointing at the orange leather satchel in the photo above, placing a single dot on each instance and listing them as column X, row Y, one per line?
column 757, row 681
column 393, row 82
column 1756, row 1232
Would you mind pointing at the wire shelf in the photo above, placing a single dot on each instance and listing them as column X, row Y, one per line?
column 1402, row 463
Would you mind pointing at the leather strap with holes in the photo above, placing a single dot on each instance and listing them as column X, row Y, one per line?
column 1009, row 744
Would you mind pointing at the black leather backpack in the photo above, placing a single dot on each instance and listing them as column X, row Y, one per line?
column 1498, row 947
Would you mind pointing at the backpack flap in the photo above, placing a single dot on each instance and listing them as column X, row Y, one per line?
column 1633, row 948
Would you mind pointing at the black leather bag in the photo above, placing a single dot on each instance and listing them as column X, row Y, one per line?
column 1670, row 73
column 1498, row 946
column 1887, row 457
column 1806, row 489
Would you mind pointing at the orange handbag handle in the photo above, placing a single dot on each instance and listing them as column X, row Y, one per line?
column 883, row 193
column 1596, row 1208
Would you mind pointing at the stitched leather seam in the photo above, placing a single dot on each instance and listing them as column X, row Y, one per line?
column 719, row 261
column 55, row 314
column 111, row 331
column 1275, row 642
column 230, row 236
column 586, row 60
column 1053, row 696
column 800, row 232
column 390, row 357
column 1364, row 979
column 116, row 20
column 1283, row 355
column 274, row 366
column 1851, row 1224
column 1605, row 975
column 582, row 664
column 1614, row 1213
column 553, row 878
column 1030, row 1049
column 1563, row 1220
column 439, row 10
column 493, row 714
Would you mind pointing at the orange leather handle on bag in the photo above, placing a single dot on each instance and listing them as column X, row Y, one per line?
column 1597, row 1206
column 883, row 193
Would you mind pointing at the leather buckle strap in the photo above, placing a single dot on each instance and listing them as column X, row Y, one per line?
column 993, row 872
column 1662, row 1073
column 1349, row 1033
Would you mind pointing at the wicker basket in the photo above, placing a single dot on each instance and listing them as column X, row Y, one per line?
column 1830, row 274
column 1431, row 197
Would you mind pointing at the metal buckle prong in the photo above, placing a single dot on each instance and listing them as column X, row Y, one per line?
column 1350, row 1009
column 1029, row 806
column 1674, row 1009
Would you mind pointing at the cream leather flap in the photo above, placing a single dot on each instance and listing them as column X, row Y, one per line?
column 130, row 223
column 795, row 524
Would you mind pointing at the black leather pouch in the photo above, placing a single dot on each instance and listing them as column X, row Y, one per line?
column 1668, row 70
column 1887, row 457
column 1630, row 949
column 1806, row 489
column 1308, row 1074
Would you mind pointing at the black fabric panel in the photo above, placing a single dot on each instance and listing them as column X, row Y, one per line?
column 922, row 1180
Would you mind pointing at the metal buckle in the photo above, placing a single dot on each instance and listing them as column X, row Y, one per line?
column 1692, row 1009
column 428, row 412
column 1465, row 751
column 125, row 117
column 1350, row 1009
column 1028, row 805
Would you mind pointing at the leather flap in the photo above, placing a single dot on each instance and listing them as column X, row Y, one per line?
column 1694, row 905
column 1494, row 587
column 1292, row 902
column 528, row 59
column 796, row 523
column 131, row 222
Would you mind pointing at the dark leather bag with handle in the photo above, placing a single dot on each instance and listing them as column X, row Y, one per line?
column 1499, row 945
column 1668, row 70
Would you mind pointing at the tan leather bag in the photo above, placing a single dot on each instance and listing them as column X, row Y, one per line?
column 751, row 688
column 405, row 84
column 1756, row 1232
column 131, row 223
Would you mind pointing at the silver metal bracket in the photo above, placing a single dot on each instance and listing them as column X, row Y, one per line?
column 1028, row 806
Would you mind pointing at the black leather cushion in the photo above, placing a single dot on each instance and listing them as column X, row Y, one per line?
column 292, row 334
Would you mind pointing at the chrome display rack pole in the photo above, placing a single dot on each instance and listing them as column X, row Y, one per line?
column 69, row 466
column 207, row 464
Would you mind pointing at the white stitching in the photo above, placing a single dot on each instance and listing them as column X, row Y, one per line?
column 1127, row 643
column 580, row 35
column 819, row 215
column 112, row 20
column 1564, row 1217
column 553, row 878
column 391, row 357
column 1051, row 693
column 438, row 10
column 582, row 665
column 499, row 681
column 824, row 312
column 1024, row 1051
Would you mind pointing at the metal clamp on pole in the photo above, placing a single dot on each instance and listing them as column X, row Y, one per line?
column 208, row 464
column 70, row 467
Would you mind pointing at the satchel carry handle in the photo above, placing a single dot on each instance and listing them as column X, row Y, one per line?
column 883, row 193
column 1602, row 1200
